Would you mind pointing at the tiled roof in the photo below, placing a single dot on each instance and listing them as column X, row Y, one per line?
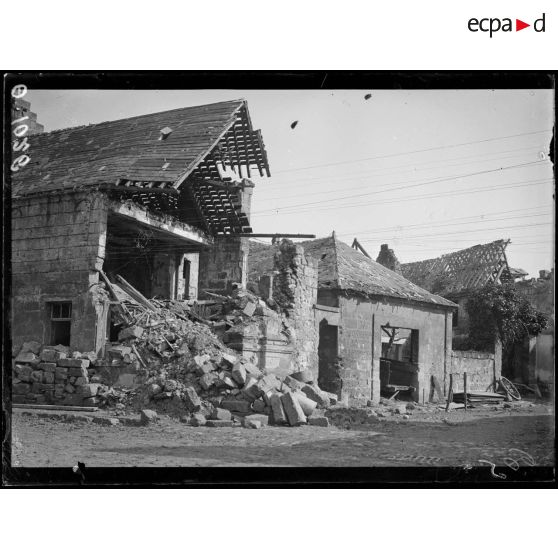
column 463, row 270
column 342, row 268
column 131, row 150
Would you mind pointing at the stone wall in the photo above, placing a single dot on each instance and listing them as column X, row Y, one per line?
column 295, row 290
column 223, row 264
column 360, row 344
column 58, row 244
column 481, row 369
column 51, row 375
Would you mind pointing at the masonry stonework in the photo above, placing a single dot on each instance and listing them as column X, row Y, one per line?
column 58, row 244
column 295, row 289
column 223, row 264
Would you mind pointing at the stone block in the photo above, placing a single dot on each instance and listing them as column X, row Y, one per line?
column 249, row 309
column 258, row 406
column 251, row 390
column 262, row 419
column 219, row 423
column 207, row 380
column 318, row 421
column 31, row 347
column 18, row 398
column 148, row 416
column 81, row 381
column 277, row 411
column 27, row 358
column 315, row 394
column 69, row 388
column 133, row 332
column 77, row 372
column 119, row 351
column 253, row 370
column 88, row 390
column 51, row 356
column 198, row 420
column 48, row 377
column 293, row 383
column 236, row 406
column 221, row 414
column 227, row 361
column 60, row 373
column 21, row 389
column 229, row 382
column 23, row 372
column 79, row 363
column 238, row 373
column 332, row 397
column 305, row 403
column 36, row 376
column 293, row 410
column 303, row 376
column 191, row 399
column 47, row 366
column 251, row 423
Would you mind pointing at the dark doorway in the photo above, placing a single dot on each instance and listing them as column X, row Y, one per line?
column 328, row 362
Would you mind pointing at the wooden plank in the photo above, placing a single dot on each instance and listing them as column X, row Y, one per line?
column 135, row 293
column 54, row 407
column 450, row 393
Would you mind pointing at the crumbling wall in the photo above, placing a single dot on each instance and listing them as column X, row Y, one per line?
column 481, row 369
column 223, row 264
column 58, row 244
column 295, row 290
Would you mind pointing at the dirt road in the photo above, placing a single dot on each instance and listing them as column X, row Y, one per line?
column 43, row 442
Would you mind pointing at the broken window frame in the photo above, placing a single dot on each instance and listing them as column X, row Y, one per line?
column 391, row 332
column 59, row 312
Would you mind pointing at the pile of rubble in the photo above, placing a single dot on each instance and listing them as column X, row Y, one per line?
column 170, row 357
column 188, row 371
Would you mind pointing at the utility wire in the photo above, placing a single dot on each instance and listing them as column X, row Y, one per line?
column 324, row 165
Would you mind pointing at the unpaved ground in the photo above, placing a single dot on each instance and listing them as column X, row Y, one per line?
column 436, row 439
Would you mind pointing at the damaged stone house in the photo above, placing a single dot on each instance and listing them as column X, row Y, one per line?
column 375, row 328
column 158, row 199
column 456, row 276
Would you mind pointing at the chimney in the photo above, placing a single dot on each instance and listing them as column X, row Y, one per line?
column 246, row 195
column 544, row 274
column 22, row 109
column 388, row 259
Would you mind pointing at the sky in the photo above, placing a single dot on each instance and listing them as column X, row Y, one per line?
column 426, row 171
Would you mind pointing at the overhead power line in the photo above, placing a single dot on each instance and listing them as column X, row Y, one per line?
column 323, row 165
column 434, row 181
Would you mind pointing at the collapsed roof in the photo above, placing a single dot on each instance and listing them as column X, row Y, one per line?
column 463, row 270
column 147, row 159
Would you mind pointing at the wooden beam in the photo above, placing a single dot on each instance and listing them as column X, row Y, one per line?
column 175, row 228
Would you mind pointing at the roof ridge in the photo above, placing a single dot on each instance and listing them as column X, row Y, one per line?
column 90, row 125
column 336, row 260
column 499, row 241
